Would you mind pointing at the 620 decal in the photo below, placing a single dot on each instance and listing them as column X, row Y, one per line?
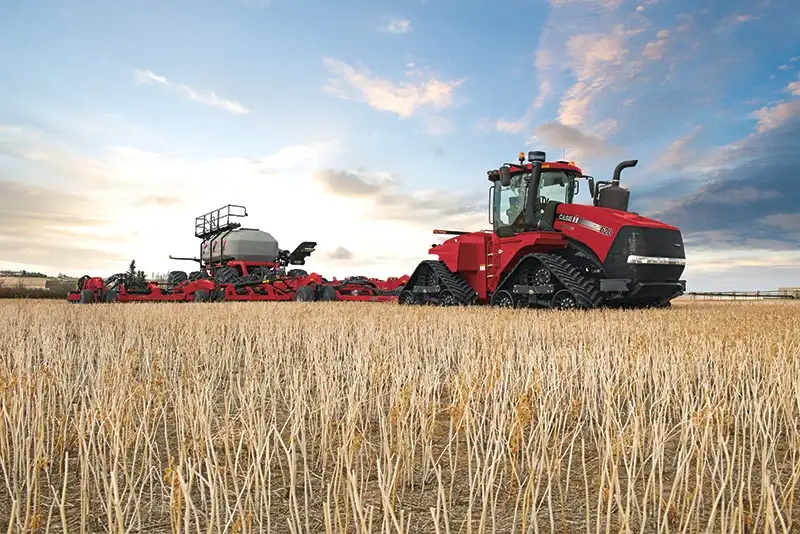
column 591, row 225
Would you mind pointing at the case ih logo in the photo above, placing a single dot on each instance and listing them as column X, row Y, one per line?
column 605, row 230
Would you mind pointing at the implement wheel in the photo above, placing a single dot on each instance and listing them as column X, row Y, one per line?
column 327, row 294
column 304, row 294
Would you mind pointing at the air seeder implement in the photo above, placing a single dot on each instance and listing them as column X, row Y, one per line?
column 239, row 264
column 546, row 251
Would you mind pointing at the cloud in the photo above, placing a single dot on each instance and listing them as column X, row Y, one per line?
column 746, row 199
column 679, row 153
column 210, row 98
column 654, row 50
column 785, row 221
column 577, row 142
column 341, row 253
column 770, row 117
column 135, row 202
column 384, row 199
column 793, row 88
column 397, row 26
column 404, row 99
column 160, row 201
column 48, row 226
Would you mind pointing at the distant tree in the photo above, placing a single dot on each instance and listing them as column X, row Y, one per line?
column 135, row 279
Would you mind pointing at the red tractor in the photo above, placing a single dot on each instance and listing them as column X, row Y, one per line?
column 546, row 251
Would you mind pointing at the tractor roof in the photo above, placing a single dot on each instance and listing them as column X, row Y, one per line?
column 562, row 165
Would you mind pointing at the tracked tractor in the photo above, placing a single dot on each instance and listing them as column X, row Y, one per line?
column 545, row 250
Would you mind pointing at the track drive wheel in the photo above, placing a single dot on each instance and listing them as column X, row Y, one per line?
column 503, row 299
column 327, row 294
column 563, row 300
column 304, row 294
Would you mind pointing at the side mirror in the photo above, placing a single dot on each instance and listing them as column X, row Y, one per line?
column 505, row 176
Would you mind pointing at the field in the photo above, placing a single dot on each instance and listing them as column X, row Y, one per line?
column 355, row 417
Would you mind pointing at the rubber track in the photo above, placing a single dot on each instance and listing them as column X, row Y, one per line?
column 453, row 282
column 586, row 295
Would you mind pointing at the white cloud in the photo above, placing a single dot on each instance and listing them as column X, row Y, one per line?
column 404, row 99
column 397, row 26
column 210, row 98
column 678, row 153
column 785, row 221
column 770, row 117
column 578, row 143
column 794, row 88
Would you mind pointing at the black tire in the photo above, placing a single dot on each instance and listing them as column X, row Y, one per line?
column 176, row 277
column 110, row 296
column 198, row 275
column 304, row 294
column 327, row 294
column 87, row 296
column 226, row 275
column 201, row 295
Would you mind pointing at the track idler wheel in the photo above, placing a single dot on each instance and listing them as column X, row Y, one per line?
column 563, row 300
column 446, row 298
column 407, row 297
column 304, row 294
column 503, row 299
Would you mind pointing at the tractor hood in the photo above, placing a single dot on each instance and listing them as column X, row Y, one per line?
column 610, row 217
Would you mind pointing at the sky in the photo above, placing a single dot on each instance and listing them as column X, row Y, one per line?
column 364, row 125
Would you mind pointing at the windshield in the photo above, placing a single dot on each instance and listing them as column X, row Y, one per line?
column 509, row 202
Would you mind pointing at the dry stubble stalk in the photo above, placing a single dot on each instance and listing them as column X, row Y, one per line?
column 375, row 418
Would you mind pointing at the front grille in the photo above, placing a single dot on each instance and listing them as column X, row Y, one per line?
column 641, row 241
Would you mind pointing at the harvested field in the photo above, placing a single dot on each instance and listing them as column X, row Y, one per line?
column 289, row 417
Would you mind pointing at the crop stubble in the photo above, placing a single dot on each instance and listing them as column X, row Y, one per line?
column 353, row 417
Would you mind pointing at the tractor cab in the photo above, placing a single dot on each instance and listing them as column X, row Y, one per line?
column 524, row 197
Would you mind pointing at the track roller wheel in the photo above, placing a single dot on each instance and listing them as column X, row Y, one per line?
column 406, row 297
column 327, row 294
column 304, row 294
column 503, row 299
column 446, row 298
column 563, row 300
